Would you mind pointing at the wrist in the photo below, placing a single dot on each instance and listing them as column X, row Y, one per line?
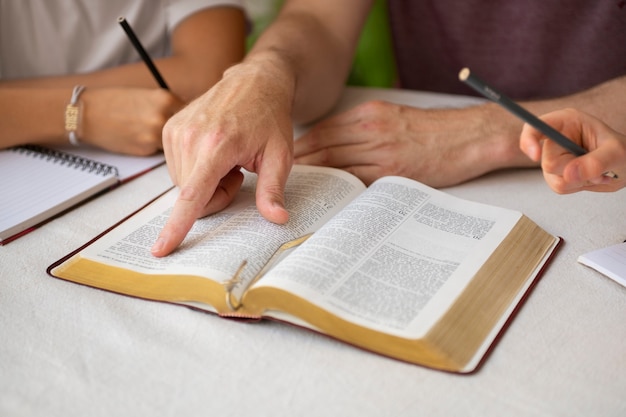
column 73, row 115
column 268, row 76
column 502, row 133
column 268, row 69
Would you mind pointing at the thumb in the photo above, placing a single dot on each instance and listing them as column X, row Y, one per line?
column 270, row 192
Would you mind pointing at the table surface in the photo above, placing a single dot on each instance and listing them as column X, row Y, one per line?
column 68, row 349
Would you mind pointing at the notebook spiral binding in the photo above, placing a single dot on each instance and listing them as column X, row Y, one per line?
column 64, row 158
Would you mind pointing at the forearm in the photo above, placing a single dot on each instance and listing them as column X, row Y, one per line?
column 173, row 70
column 501, row 130
column 311, row 45
column 183, row 77
column 130, row 75
column 203, row 46
column 33, row 116
column 606, row 101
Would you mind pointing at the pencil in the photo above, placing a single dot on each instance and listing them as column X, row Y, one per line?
column 142, row 52
column 491, row 93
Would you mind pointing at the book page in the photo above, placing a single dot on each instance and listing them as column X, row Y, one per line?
column 395, row 258
column 217, row 245
column 610, row 261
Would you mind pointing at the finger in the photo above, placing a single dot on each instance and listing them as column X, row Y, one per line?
column 603, row 184
column 554, row 158
column 343, row 156
column 196, row 191
column 338, row 130
column 169, row 150
column 225, row 192
column 270, row 197
column 566, row 121
column 186, row 210
column 189, row 207
column 593, row 166
column 530, row 142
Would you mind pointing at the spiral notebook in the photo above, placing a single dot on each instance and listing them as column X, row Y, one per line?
column 38, row 183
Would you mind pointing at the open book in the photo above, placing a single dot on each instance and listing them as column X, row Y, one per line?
column 38, row 183
column 398, row 268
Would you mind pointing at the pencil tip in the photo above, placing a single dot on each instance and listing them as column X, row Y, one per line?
column 121, row 19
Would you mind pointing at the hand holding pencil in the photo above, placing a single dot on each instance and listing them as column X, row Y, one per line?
column 566, row 173
column 136, row 125
column 595, row 174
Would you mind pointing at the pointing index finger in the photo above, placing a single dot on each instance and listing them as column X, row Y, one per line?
column 188, row 207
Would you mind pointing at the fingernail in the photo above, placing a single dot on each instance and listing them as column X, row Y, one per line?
column 576, row 174
column 158, row 245
column 600, row 180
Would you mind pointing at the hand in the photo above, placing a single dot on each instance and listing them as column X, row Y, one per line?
column 439, row 147
column 565, row 173
column 243, row 121
column 126, row 120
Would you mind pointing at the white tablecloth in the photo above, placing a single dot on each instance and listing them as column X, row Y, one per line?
column 70, row 350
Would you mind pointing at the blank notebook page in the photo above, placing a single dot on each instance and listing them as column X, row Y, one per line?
column 610, row 261
column 34, row 186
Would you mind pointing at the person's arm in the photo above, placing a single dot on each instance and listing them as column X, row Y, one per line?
column 315, row 42
column 566, row 173
column 440, row 147
column 203, row 45
column 296, row 69
column 124, row 110
column 122, row 120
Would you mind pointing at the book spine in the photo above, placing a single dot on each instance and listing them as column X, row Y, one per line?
column 67, row 159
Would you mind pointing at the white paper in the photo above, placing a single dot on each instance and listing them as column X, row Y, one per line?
column 610, row 261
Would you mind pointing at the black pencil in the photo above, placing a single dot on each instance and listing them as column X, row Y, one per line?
column 491, row 93
column 142, row 52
